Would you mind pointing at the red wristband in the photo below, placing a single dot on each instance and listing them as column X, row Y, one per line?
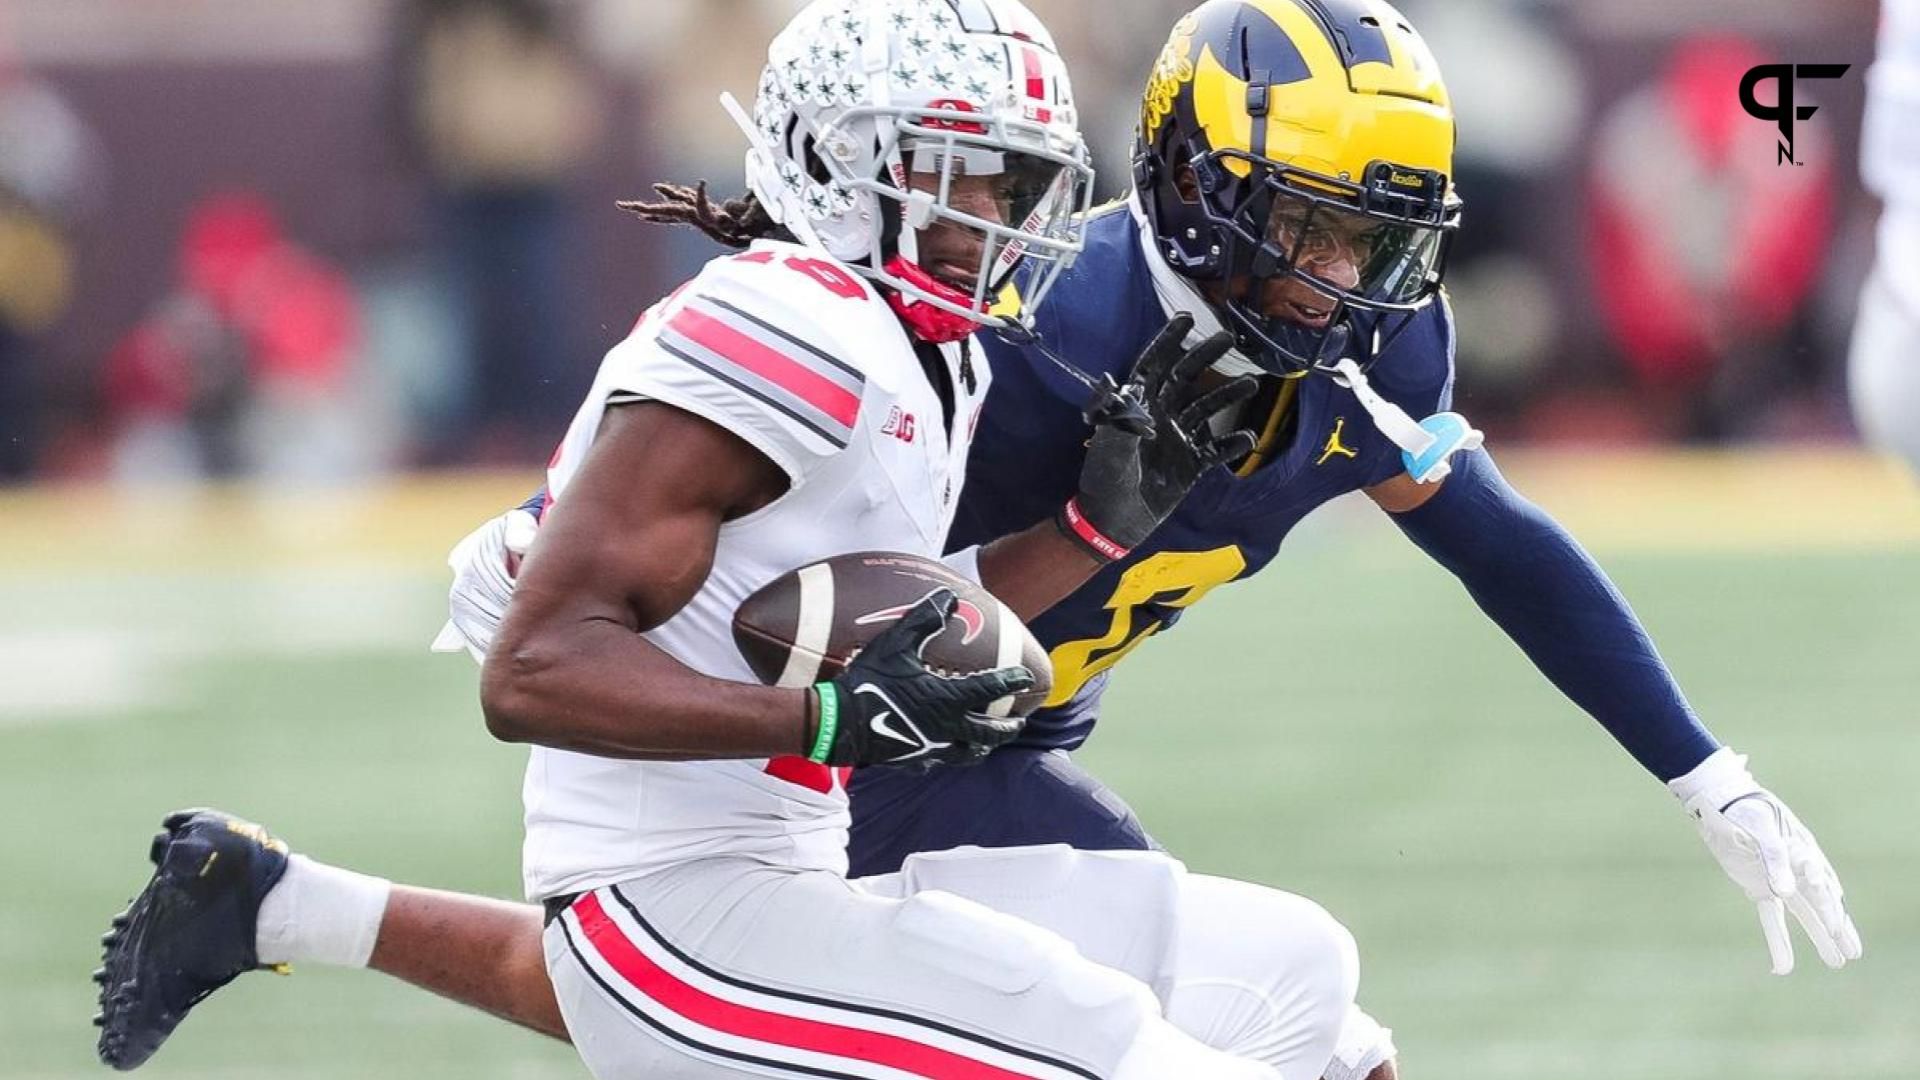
column 1075, row 524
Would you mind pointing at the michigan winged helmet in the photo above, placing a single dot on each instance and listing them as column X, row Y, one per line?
column 1300, row 140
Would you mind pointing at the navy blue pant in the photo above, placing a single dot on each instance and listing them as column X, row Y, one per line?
column 1017, row 796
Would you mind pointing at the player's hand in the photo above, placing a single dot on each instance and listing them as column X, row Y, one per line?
column 887, row 708
column 1774, row 859
column 1130, row 482
column 1364, row 1051
column 484, row 565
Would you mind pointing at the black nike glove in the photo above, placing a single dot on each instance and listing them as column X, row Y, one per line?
column 1130, row 482
column 887, row 708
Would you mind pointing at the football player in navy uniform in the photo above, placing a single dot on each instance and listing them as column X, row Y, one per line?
column 1292, row 186
column 1293, row 189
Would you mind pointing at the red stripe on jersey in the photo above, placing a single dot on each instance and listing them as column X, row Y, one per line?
column 1036, row 77
column 683, row 998
column 778, row 368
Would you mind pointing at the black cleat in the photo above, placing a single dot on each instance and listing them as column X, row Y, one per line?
column 189, row 932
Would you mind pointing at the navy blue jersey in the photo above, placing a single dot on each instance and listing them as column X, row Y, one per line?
column 1026, row 461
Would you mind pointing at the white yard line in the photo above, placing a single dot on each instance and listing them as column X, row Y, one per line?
column 62, row 675
column 74, row 651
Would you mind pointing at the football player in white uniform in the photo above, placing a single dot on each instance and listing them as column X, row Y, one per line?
column 686, row 827
column 1884, row 370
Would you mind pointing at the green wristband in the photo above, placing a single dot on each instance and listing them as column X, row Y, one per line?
column 829, row 723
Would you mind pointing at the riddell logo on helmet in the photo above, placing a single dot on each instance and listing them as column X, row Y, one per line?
column 1782, row 112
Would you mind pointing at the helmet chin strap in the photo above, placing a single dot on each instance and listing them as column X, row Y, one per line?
column 928, row 322
column 1426, row 446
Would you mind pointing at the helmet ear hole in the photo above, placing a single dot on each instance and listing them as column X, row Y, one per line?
column 807, row 153
column 816, row 167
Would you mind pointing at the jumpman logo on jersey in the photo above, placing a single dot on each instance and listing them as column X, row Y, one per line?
column 1335, row 446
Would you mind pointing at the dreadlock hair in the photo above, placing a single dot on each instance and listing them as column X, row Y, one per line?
column 733, row 222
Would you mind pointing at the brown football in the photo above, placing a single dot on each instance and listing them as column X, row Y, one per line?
column 804, row 626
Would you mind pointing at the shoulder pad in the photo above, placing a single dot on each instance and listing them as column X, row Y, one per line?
column 1416, row 371
column 809, row 301
column 780, row 346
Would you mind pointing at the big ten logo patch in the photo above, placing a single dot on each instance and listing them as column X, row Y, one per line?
column 900, row 425
column 1173, row 70
column 1782, row 112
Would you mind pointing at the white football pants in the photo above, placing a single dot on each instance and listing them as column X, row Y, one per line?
column 995, row 964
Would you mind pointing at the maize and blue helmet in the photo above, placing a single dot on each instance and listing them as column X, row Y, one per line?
column 1300, row 141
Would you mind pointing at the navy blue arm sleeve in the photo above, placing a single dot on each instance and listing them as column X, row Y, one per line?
column 1535, row 581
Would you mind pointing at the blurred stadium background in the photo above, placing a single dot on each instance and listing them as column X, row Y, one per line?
column 293, row 294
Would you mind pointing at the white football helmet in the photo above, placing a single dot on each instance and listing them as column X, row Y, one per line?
column 858, row 93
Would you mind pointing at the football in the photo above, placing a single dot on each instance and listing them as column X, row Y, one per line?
column 806, row 625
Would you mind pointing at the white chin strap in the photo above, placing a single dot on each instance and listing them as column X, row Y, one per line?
column 1427, row 446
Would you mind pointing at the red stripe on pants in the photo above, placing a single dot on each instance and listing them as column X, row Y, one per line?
column 669, row 991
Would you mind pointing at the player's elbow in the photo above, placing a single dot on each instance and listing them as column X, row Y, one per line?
column 510, row 695
column 503, row 704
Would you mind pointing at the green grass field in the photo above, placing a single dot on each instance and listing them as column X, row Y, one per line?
column 1528, row 903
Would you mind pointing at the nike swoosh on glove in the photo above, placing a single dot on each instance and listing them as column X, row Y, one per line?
column 889, row 708
column 1774, row 859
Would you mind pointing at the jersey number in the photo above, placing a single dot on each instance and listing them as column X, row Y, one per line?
column 834, row 279
column 1176, row 579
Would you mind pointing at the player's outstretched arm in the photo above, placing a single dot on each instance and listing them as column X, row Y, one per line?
column 1534, row 580
column 1540, row 586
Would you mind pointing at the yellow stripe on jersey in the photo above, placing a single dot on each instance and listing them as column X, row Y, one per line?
column 1175, row 579
column 1270, row 435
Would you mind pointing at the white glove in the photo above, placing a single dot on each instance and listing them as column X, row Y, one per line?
column 1774, row 859
column 1364, row 1048
column 484, row 565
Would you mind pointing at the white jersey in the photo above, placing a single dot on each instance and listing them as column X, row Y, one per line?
column 1890, row 145
column 805, row 361
column 1883, row 372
